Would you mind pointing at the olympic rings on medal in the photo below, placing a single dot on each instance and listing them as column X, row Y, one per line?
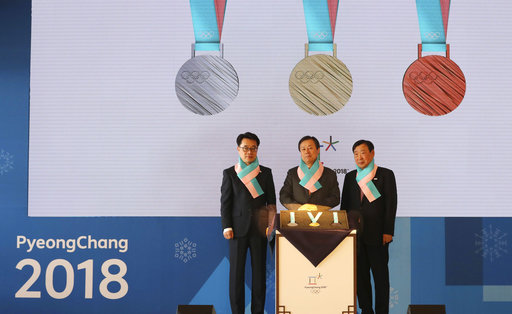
column 195, row 76
column 320, row 35
column 207, row 35
column 309, row 76
column 434, row 85
column 206, row 84
column 432, row 35
column 320, row 84
column 423, row 77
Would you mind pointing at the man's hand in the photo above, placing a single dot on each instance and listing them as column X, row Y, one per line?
column 386, row 238
column 229, row 234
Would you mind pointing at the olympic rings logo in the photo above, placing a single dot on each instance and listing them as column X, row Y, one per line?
column 195, row 76
column 309, row 76
column 423, row 77
column 433, row 35
column 207, row 35
column 320, row 35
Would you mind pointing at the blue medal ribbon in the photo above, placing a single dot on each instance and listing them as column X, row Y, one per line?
column 207, row 18
column 320, row 23
column 433, row 21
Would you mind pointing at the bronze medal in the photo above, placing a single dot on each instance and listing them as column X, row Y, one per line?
column 434, row 85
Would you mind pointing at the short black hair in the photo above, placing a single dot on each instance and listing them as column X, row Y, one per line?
column 309, row 137
column 247, row 135
column 361, row 142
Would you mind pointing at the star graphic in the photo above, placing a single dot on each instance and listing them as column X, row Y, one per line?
column 330, row 144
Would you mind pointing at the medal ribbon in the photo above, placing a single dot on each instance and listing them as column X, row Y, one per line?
column 292, row 218
column 320, row 23
column 314, row 219
column 208, row 19
column 433, row 20
column 309, row 176
column 335, row 217
column 248, row 173
column 364, row 180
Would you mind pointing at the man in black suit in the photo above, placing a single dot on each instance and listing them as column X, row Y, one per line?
column 370, row 191
column 318, row 187
column 248, row 208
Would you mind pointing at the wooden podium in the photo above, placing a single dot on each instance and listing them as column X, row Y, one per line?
column 302, row 288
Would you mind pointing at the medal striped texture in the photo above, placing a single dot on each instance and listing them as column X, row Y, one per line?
column 320, row 85
column 206, row 85
column 434, row 85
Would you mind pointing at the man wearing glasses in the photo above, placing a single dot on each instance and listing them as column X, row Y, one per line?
column 248, row 207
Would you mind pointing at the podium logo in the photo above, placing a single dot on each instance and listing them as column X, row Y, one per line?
column 185, row 250
column 314, row 284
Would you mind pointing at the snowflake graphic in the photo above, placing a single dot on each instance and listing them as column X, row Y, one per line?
column 393, row 297
column 185, row 250
column 6, row 162
column 271, row 281
column 491, row 243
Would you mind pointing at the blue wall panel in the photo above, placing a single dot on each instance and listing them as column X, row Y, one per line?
column 463, row 264
column 432, row 242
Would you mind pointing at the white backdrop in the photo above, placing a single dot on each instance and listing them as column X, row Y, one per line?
column 108, row 136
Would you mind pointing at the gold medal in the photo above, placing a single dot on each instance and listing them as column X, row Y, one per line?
column 320, row 84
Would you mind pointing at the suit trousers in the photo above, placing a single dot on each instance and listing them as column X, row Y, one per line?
column 257, row 245
column 374, row 258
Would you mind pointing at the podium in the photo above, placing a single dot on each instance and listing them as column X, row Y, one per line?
column 330, row 287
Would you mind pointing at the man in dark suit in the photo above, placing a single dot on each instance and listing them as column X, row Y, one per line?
column 370, row 191
column 248, row 208
column 310, row 182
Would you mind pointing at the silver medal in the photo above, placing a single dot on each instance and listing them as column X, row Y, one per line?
column 206, row 84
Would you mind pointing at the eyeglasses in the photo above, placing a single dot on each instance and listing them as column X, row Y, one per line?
column 247, row 148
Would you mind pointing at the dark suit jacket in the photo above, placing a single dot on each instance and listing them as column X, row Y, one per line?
column 294, row 193
column 237, row 207
column 378, row 217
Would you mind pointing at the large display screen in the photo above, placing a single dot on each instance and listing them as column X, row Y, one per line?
column 109, row 136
